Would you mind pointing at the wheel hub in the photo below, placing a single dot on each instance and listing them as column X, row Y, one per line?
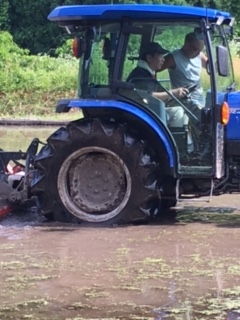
column 96, row 182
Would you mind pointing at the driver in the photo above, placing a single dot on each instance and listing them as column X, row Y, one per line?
column 185, row 65
column 151, row 60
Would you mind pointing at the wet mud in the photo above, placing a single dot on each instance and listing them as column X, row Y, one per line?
column 184, row 265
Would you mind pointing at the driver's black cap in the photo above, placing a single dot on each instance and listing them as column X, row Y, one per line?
column 152, row 48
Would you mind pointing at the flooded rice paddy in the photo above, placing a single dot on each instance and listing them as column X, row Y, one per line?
column 185, row 265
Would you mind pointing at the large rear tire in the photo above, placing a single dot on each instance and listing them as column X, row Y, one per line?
column 97, row 172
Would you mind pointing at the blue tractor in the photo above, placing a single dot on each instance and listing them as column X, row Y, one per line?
column 123, row 162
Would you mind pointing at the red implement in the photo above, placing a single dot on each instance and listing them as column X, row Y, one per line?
column 5, row 208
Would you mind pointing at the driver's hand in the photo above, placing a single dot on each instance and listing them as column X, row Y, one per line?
column 180, row 92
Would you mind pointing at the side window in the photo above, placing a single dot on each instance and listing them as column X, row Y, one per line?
column 98, row 67
column 132, row 55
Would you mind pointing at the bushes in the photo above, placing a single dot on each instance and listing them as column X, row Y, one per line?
column 32, row 73
column 26, row 79
column 8, row 48
column 21, row 71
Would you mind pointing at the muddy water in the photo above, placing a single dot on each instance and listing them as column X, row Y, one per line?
column 13, row 138
column 183, row 266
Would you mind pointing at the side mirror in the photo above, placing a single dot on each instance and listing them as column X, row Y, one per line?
column 106, row 49
column 78, row 47
column 109, row 47
column 222, row 61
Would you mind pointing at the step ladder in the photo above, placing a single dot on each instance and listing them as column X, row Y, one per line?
column 189, row 199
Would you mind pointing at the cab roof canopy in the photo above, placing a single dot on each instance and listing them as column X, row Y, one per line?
column 83, row 13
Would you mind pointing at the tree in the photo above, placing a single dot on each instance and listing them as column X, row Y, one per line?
column 31, row 30
column 233, row 7
column 34, row 32
column 4, row 18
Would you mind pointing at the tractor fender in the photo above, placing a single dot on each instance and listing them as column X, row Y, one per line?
column 151, row 121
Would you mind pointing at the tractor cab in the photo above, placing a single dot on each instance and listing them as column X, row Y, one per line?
column 110, row 43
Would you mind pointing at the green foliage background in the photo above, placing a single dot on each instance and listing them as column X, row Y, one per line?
column 35, row 67
column 32, row 84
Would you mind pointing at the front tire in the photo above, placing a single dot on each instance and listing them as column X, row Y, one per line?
column 97, row 172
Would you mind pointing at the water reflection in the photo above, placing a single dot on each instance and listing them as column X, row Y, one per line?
column 15, row 138
column 233, row 315
column 69, row 272
column 172, row 299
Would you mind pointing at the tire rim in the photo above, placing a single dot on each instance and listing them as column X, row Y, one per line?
column 94, row 184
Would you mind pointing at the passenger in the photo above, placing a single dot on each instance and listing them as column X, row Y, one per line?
column 151, row 60
column 185, row 65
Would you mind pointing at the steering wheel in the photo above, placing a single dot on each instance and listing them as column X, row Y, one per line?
column 182, row 103
column 192, row 87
